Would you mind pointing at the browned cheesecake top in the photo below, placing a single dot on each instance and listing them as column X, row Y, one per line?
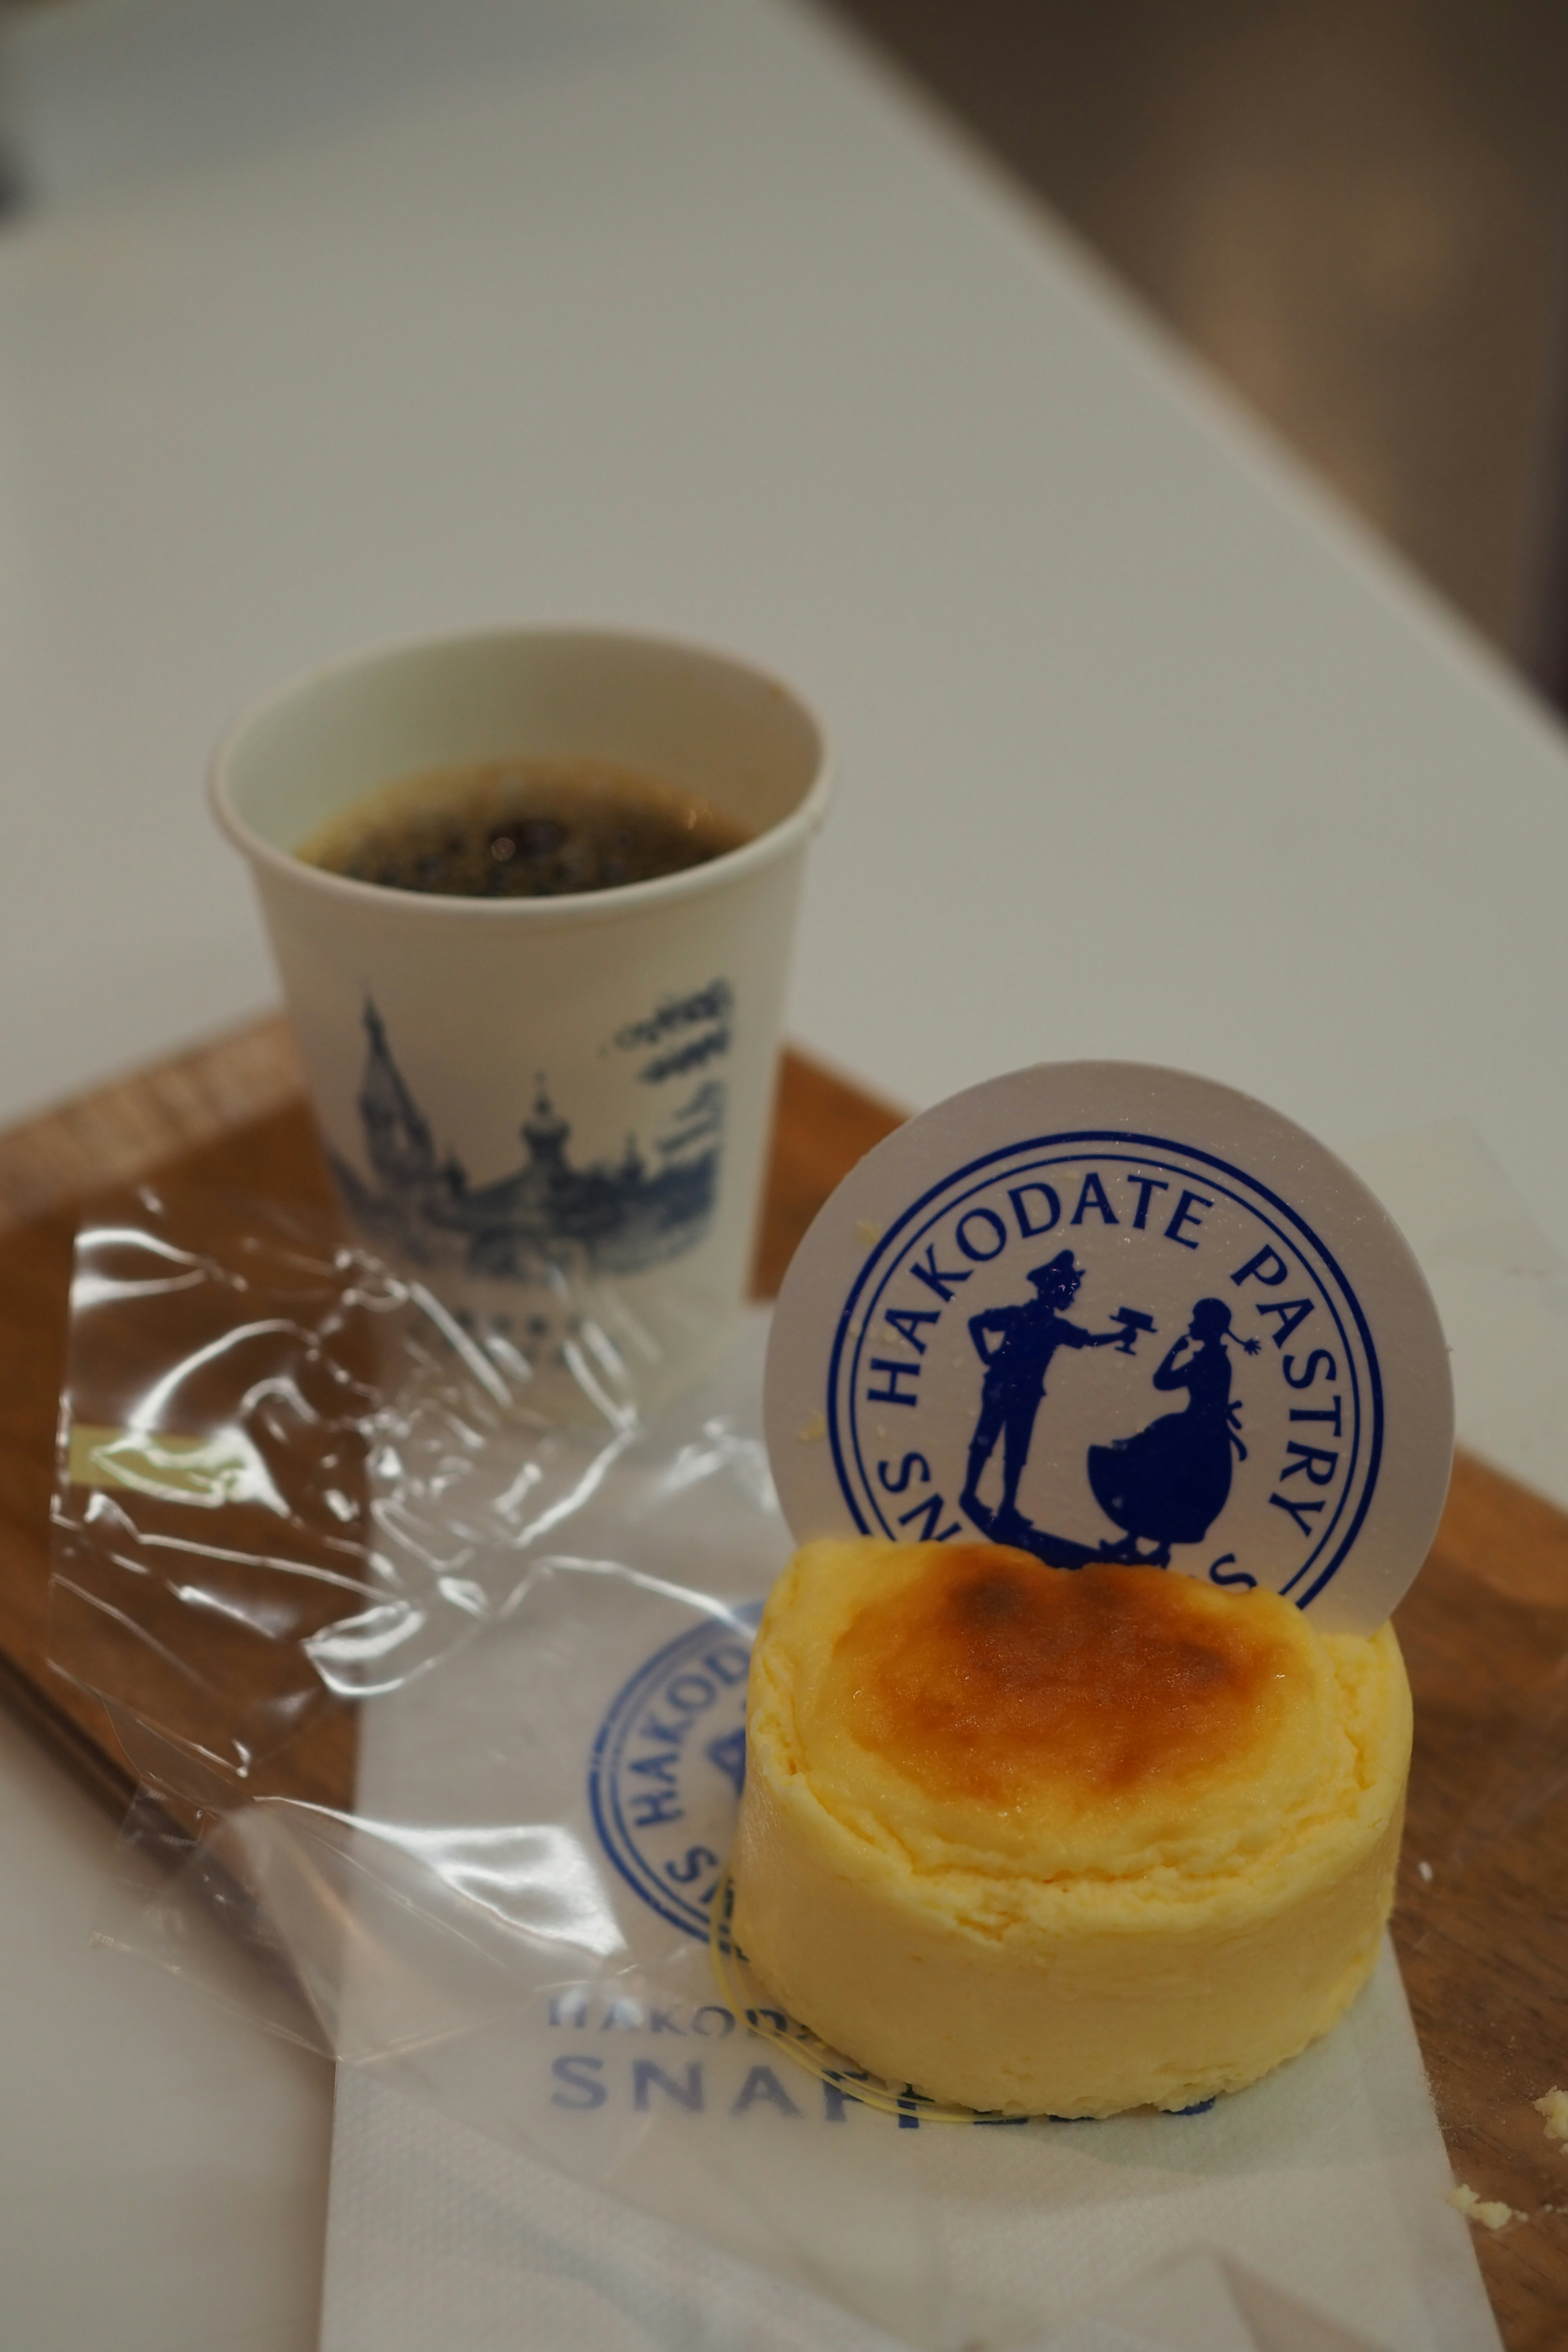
column 987, row 1674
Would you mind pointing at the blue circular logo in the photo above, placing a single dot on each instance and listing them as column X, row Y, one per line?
column 1108, row 1346
column 668, row 1765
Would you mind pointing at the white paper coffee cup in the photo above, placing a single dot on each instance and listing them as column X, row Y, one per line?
column 553, row 1111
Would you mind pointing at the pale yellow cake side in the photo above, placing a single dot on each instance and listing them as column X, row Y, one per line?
column 974, row 1866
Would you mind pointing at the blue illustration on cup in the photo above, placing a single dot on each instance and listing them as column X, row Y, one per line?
column 606, row 1217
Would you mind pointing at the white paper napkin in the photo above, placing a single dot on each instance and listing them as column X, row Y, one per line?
column 1326, row 2183
column 1202, row 2302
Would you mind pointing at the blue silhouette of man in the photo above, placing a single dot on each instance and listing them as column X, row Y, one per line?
column 1027, row 1336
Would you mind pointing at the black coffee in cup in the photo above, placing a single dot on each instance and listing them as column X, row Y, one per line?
column 521, row 829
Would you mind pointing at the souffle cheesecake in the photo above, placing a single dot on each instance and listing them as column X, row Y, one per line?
column 1042, row 1842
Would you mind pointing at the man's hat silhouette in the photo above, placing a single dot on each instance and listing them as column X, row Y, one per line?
column 1060, row 1268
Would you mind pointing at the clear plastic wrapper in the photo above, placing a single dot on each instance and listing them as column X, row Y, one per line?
column 441, row 1705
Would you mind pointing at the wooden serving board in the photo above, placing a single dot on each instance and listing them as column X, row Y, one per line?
column 1482, row 1918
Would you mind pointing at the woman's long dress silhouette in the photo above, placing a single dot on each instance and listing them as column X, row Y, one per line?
column 1170, row 1483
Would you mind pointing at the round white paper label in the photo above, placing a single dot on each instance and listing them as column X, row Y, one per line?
column 1104, row 1312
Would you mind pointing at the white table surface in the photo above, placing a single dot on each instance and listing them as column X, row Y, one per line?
column 162, row 2166
column 338, row 320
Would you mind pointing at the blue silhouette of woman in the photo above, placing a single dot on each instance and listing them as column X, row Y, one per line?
column 1170, row 1483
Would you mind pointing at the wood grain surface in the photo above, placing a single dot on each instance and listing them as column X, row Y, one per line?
column 1481, row 1923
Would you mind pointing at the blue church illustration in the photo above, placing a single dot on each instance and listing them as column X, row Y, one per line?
column 610, row 1217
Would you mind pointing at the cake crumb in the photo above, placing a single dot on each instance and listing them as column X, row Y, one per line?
column 815, row 1428
column 1488, row 2211
column 865, row 1231
column 1554, row 2107
column 1424, row 1871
